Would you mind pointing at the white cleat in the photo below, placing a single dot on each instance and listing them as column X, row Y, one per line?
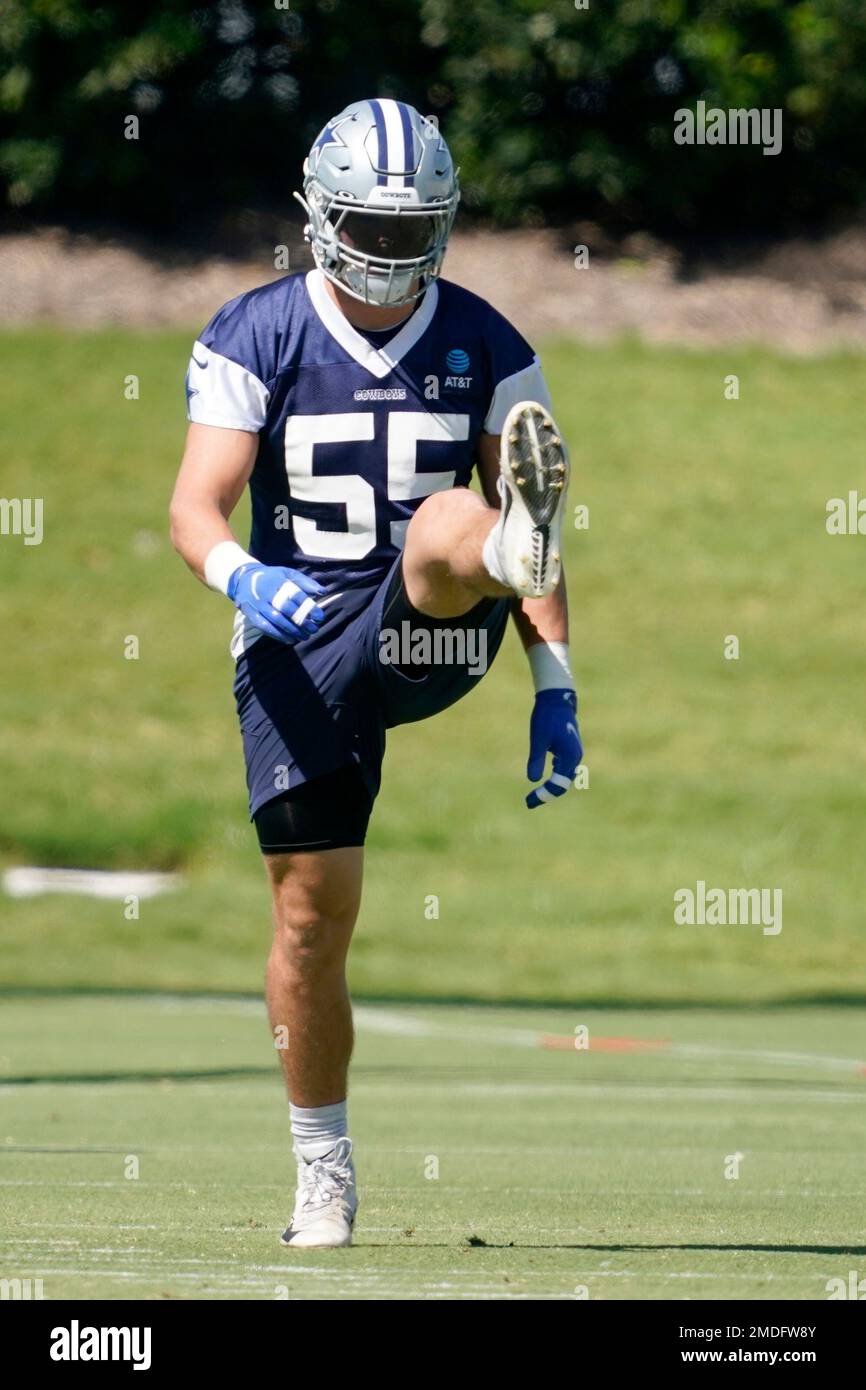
column 326, row 1202
column 533, row 483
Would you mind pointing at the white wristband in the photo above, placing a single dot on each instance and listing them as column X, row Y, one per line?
column 222, row 562
column 548, row 662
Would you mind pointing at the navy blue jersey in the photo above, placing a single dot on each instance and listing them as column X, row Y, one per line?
column 353, row 435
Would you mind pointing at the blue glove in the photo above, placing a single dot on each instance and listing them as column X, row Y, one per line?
column 278, row 601
column 553, row 729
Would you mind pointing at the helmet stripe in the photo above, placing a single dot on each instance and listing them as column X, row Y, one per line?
column 408, row 145
column 381, row 140
column 395, row 142
column 395, row 162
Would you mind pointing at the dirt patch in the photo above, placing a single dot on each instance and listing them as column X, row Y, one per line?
column 801, row 296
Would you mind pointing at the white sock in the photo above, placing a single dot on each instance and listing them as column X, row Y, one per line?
column 316, row 1131
column 491, row 557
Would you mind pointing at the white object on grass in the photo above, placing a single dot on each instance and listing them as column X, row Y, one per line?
column 28, row 882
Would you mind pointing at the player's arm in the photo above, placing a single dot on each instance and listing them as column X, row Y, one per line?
column 216, row 467
column 543, row 627
column 214, row 471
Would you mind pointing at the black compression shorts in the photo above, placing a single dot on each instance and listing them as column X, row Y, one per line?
column 328, row 813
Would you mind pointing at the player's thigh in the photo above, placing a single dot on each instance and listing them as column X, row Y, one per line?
column 421, row 664
column 316, row 897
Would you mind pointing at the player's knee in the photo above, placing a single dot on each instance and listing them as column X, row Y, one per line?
column 312, row 943
column 442, row 508
column 431, row 536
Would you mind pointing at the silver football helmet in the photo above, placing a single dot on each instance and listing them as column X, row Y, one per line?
column 380, row 193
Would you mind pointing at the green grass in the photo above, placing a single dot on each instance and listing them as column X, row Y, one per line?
column 489, row 1167
column 706, row 519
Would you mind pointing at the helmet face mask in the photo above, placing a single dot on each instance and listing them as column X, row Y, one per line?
column 380, row 193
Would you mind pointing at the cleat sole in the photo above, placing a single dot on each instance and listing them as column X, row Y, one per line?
column 538, row 468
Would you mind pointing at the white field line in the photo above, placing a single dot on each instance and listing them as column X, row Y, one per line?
column 390, row 1022
column 791, row 1059
column 386, row 1021
column 337, row 1286
column 262, row 1274
column 278, row 1151
column 76, row 1226
column 216, row 1263
column 267, row 1278
column 382, row 1020
column 586, row 1233
column 356, row 1281
column 583, row 1090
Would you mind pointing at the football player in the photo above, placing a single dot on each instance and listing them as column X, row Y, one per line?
column 355, row 400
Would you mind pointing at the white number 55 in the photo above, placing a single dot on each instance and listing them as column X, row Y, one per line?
column 352, row 492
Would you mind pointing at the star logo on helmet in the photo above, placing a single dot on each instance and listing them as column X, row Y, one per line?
column 330, row 136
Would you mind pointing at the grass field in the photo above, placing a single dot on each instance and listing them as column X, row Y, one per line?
column 489, row 1166
column 706, row 519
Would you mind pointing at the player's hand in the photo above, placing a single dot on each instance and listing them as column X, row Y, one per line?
column 278, row 601
column 553, row 729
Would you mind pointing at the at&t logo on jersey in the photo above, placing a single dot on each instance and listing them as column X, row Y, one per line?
column 457, row 362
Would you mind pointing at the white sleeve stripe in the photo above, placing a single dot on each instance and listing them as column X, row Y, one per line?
column 200, row 414
column 525, row 385
column 560, row 780
column 222, row 392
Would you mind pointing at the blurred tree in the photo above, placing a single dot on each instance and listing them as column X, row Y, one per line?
column 228, row 97
column 557, row 111
column 553, row 111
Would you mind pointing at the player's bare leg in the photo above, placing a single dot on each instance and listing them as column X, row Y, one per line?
column 316, row 897
column 459, row 549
